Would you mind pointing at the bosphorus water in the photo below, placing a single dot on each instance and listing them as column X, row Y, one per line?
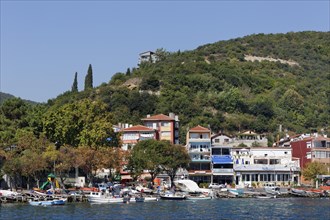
column 237, row 209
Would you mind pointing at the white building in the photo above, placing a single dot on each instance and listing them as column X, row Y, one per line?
column 252, row 165
column 147, row 56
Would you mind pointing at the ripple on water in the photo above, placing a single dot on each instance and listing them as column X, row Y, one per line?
column 286, row 208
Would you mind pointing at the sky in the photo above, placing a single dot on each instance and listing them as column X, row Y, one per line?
column 43, row 43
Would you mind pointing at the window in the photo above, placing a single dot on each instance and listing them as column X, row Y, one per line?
column 226, row 140
column 216, row 141
column 260, row 161
column 274, row 161
column 165, row 124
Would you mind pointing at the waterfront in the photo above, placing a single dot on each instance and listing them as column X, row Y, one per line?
column 281, row 208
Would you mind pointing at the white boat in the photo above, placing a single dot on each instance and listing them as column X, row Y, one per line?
column 236, row 192
column 172, row 196
column 271, row 188
column 143, row 189
column 48, row 202
column 198, row 197
column 102, row 197
column 189, row 186
column 265, row 197
column 7, row 193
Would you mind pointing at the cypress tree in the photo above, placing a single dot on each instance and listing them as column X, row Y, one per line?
column 89, row 78
column 75, row 83
column 128, row 72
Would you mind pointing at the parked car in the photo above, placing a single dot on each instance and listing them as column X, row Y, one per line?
column 216, row 186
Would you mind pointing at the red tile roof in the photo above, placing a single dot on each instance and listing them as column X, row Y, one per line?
column 199, row 129
column 137, row 128
column 160, row 117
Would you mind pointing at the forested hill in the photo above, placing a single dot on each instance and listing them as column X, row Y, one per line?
column 5, row 96
column 256, row 82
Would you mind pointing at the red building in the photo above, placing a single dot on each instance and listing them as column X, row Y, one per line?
column 310, row 149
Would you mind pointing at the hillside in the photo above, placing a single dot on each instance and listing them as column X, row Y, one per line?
column 256, row 82
column 5, row 96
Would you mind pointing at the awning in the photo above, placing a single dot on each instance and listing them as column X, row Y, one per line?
column 222, row 159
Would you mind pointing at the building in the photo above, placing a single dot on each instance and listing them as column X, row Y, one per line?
column 132, row 135
column 222, row 162
column 147, row 56
column 199, row 148
column 165, row 127
column 311, row 148
column 247, row 139
column 265, row 164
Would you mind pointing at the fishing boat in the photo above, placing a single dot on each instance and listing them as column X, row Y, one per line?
column 272, row 189
column 103, row 197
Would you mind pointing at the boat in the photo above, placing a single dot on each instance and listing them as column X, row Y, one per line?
column 265, row 197
column 198, row 197
column 272, row 189
column 143, row 189
column 190, row 186
column 236, row 192
column 298, row 192
column 172, row 196
column 47, row 202
column 103, row 197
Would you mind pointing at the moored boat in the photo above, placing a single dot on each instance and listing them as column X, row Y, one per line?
column 48, row 202
column 172, row 196
column 102, row 197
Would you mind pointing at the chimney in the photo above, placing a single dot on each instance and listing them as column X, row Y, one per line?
column 126, row 125
column 171, row 115
column 148, row 116
column 176, row 118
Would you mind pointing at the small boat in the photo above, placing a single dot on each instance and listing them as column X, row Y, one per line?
column 298, row 192
column 48, row 202
column 199, row 197
column 272, row 189
column 236, row 192
column 265, row 197
column 172, row 196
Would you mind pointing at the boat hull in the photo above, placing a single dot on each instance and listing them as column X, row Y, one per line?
column 47, row 203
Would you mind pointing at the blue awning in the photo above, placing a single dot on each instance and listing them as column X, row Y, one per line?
column 222, row 159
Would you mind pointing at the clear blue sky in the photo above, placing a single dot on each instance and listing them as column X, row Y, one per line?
column 43, row 43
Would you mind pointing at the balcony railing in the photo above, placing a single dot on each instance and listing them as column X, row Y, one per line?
column 199, row 150
column 198, row 159
column 224, row 170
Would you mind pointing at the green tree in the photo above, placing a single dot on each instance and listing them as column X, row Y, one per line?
column 128, row 72
column 313, row 169
column 89, row 78
column 147, row 155
column 175, row 157
column 92, row 124
column 75, row 83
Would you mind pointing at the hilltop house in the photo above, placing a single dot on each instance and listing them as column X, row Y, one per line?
column 147, row 56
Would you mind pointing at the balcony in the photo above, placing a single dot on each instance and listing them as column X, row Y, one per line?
column 199, row 150
column 201, row 158
column 223, row 170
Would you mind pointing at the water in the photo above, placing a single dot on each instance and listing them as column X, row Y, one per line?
column 281, row 208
